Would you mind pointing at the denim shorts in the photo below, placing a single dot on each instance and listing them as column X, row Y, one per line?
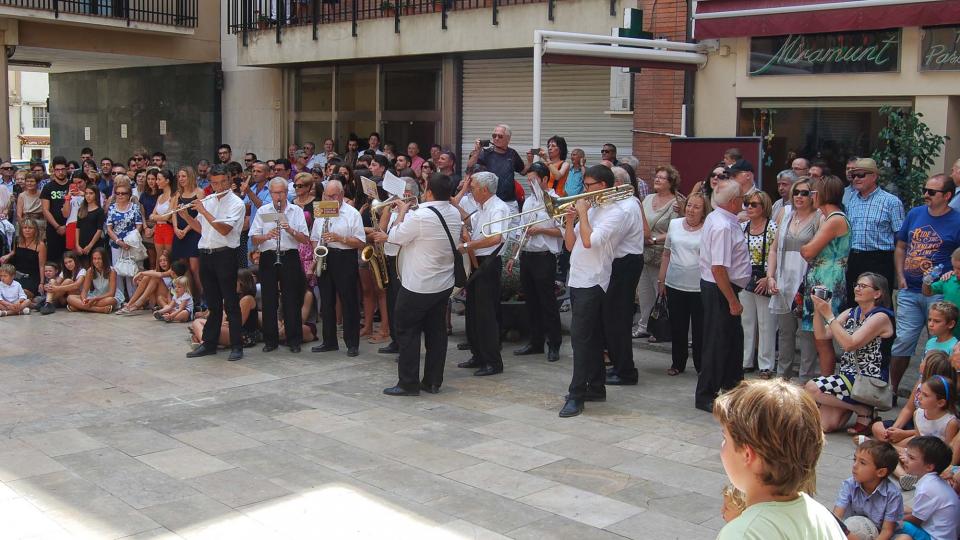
column 912, row 309
column 917, row 533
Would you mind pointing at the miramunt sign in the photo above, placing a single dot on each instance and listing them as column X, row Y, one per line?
column 809, row 54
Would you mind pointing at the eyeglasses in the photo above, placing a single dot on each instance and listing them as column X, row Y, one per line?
column 858, row 174
column 664, row 178
column 588, row 184
column 801, row 193
column 298, row 186
column 931, row 192
column 864, row 286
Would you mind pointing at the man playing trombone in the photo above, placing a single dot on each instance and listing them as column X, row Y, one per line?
column 483, row 287
column 277, row 239
column 537, row 253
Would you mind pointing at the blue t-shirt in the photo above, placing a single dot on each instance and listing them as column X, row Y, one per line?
column 934, row 345
column 929, row 241
column 574, row 185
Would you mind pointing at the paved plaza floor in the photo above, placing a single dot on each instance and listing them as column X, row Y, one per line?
column 108, row 431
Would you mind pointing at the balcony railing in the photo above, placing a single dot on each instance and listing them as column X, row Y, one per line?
column 244, row 16
column 165, row 12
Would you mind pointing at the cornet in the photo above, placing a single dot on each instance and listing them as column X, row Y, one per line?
column 556, row 207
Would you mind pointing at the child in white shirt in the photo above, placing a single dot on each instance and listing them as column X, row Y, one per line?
column 180, row 308
column 936, row 509
column 13, row 300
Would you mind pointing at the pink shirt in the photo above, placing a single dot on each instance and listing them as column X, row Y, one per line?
column 723, row 244
column 416, row 164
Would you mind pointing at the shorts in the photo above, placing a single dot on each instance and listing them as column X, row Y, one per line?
column 911, row 530
column 912, row 309
column 163, row 234
column 838, row 386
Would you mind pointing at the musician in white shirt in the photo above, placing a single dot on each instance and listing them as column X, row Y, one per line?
column 343, row 238
column 483, row 288
column 540, row 245
column 618, row 302
column 426, row 272
column 221, row 219
column 283, row 267
column 592, row 244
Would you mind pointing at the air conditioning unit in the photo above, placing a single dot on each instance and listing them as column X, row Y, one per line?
column 620, row 98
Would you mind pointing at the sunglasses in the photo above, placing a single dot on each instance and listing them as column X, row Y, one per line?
column 721, row 176
column 118, row 193
column 298, row 186
column 752, row 204
column 497, row 136
column 932, row 192
column 858, row 175
column 801, row 193
column 6, row 168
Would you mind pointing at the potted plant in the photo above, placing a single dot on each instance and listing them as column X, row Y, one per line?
column 387, row 8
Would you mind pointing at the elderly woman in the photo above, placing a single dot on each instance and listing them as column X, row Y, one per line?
column 864, row 333
column 123, row 217
column 760, row 232
column 658, row 209
column 679, row 280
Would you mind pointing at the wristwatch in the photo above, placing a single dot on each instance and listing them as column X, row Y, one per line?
column 466, row 245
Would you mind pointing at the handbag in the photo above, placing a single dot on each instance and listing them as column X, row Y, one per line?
column 658, row 324
column 758, row 271
column 871, row 391
column 459, row 274
column 126, row 266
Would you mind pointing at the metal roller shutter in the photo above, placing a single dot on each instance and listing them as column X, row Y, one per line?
column 574, row 101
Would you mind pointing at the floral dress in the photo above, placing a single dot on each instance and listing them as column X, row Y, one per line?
column 828, row 270
column 123, row 221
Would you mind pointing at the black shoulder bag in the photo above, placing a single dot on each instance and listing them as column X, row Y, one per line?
column 459, row 274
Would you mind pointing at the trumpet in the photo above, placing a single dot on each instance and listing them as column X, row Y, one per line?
column 187, row 206
column 376, row 205
column 556, row 207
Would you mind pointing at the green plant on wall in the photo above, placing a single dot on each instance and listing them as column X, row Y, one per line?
column 907, row 152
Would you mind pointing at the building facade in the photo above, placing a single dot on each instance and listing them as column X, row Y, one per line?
column 29, row 116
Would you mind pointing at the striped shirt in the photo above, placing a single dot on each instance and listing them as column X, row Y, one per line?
column 874, row 220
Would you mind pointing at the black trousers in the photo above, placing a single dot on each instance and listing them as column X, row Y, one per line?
column 722, row 364
column 538, row 271
column 879, row 262
column 586, row 338
column 218, row 275
column 289, row 275
column 483, row 304
column 57, row 244
column 685, row 309
column 340, row 279
column 421, row 313
column 618, row 314
column 393, row 290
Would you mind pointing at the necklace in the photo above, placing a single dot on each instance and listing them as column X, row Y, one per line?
column 797, row 222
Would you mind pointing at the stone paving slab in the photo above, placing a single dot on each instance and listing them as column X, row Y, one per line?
column 133, row 440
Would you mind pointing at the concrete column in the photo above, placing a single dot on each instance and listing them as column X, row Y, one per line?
column 5, row 149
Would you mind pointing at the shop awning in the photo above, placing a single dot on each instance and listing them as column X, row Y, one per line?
column 740, row 18
column 34, row 140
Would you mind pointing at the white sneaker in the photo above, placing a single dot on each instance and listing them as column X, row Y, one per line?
column 26, row 311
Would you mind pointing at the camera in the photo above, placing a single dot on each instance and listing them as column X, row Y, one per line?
column 822, row 292
column 535, row 151
column 484, row 143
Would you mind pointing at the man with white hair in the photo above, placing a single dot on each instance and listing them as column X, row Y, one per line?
column 278, row 241
column 785, row 180
column 483, row 287
column 724, row 271
column 343, row 235
column 502, row 161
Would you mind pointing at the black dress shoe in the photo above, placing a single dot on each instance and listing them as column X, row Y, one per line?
column 270, row 347
column 295, row 348
column 486, row 371
column 353, row 351
column 572, row 407
column 392, row 348
column 527, row 350
column 472, row 363
column 235, row 354
column 749, row 369
column 617, row 380
column 324, row 347
column 202, row 351
column 553, row 354
column 399, row 391
column 431, row 388
column 465, row 346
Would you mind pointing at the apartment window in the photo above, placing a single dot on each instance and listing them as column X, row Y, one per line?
column 41, row 117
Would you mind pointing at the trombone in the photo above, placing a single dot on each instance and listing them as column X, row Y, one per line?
column 556, row 207
column 187, row 206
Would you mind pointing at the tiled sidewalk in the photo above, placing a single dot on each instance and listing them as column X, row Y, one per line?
column 108, row 431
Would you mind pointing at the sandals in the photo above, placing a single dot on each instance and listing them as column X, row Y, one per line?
column 861, row 428
column 673, row 372
column 378, row 339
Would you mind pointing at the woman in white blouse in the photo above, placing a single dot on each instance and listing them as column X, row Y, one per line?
column 679, row 279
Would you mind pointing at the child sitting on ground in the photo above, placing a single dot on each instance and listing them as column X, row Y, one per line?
column 934, row 418
column 941, row 323
column 948, row 286
column 934, row 362
column 936, row 509
column 772, row 440
column 180, row 308
column 13, row 299
column 870, row 493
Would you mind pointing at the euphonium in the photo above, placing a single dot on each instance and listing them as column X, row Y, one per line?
column 320, row 252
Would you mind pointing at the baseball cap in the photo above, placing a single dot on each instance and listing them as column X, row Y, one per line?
column 741, row 165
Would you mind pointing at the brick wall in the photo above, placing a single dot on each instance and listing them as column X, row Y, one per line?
column 658, row 93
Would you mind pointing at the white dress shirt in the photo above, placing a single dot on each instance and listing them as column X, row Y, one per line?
column 425, row 263
column 317, row 160
column 724, row 245
column 389, row 248
column 539, row 243
column 632, row 241
column 492, row 209
column 228, row 209
column 348, row 223
column 292, row 214
column 591, row 267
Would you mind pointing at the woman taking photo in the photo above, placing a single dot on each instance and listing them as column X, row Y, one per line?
column 760, row 232
column 555, row 157
column 186, row 228
column 163, row 229
column 99, row 293
column 658, row 210
column 123, row 217
column 864, row 333
column 679, row 279
column 29, row 256
column 90, row 220
column 786, row 269
column 827, row 255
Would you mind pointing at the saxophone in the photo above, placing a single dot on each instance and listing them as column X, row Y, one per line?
column 320, row 252
column 375, row 256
